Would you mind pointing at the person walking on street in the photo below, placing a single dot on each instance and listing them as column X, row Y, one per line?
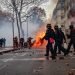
column 59, row 37
column 49, row 36
column 63, row 39
column 71, row 37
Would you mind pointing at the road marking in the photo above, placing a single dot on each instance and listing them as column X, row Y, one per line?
column 24, row 54
column 25, row 59
column 6, row 60
column 3, row 67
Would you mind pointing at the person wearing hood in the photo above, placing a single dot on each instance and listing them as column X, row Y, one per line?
column 59, row 37
column 49, row 36
column 72, row 38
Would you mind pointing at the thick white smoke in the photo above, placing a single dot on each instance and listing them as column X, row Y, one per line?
column 33, row 27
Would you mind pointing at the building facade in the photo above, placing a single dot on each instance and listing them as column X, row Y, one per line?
column 64, row 13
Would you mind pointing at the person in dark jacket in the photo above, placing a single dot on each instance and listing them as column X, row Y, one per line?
column 29, row 42
column 71, row 37
column 62, row 38
column 49, row 34
column 59, row 37
column 21, row 42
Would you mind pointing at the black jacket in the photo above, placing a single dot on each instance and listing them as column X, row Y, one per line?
column 72, row 35
column 49, row 34
column 59, row 36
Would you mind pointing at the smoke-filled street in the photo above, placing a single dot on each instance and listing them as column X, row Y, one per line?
column 37, row 37
column 33, row 62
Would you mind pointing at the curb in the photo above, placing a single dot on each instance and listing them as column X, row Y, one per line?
column 6, row 51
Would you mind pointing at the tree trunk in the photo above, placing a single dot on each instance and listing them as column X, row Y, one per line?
column 18, row 27
column 13, row 31
column 13, row 27
column 21, row 29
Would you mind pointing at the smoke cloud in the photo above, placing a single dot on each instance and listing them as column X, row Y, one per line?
column 34, row 25
column 55, row 1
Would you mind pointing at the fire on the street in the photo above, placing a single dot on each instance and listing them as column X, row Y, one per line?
column 38, row 41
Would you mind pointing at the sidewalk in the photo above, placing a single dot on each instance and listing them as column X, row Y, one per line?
column 7, row 49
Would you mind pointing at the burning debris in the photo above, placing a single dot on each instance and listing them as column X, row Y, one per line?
column 38, row 38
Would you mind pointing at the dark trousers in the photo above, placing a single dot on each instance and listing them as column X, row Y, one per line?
column 60, row 47
column 70, row 44
column 49, row 47
column 59, row 51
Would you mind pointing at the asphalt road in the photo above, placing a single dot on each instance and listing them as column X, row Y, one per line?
column 33, row 62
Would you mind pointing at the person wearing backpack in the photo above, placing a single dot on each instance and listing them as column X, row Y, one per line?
column 59, row 37
column 49, row 36
column 72, row 38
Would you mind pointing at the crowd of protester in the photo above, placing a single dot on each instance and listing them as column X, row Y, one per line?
column 57, row 38
column 22, row 43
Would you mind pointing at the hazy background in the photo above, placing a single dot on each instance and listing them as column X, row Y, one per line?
column 34, row 23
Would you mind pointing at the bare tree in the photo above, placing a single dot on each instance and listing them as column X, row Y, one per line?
column 20, row 9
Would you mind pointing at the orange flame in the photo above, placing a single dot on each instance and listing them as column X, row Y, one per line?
column 38, row 38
